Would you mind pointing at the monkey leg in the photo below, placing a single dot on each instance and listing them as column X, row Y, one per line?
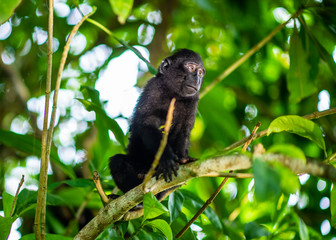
column 124, row 173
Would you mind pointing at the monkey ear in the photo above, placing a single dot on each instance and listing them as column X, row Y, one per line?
column 164, row 66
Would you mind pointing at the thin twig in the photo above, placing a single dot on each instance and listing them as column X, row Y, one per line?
column 247, row 55
column 163, row 143
column 16, row 195
column 206, row 204
column 255, row 129
column 219, row 188
column 99, row 187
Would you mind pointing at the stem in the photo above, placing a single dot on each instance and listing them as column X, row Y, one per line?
column 40, row 215
column 16, row 195
column 41, row 195
column 247, row 55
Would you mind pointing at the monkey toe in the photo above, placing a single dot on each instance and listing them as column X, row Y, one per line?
column 167, row 169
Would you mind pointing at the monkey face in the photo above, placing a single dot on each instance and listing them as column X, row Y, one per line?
column 183, row 73
column 193, row 78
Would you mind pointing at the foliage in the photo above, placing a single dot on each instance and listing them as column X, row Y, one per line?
column 292, row 75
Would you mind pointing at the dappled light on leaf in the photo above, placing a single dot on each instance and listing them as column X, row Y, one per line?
column 300, row 126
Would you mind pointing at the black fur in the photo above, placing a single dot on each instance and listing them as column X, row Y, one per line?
column 179, row 76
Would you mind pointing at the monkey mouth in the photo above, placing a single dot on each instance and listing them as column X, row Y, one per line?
column 191, row 88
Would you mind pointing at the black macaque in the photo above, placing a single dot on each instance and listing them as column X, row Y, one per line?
column 179, row 76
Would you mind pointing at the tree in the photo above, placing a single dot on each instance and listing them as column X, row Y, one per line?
column 266, row 61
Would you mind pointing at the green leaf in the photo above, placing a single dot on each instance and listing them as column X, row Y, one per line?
column 325, row 55
column 298, row 80
column 25, row 201
column 96, row 106
column 143, row 235
column 179, row 223
column 194, row 203
column 152, row 207
column 289, row 181
column 5, row 226
column 151, row 69
column 7, row 9
column 289, row 150
column 80, row 182
column 266, row 181
column 333, row 206
column 255, row 230
column 122, row 226
column 31, row 145
column 213, row 217
column 122, row 8
column 300, row 126
column 175, row 204
column 28, row 208
column 55, row 200
column 162, row 226
column 7, row 201
column 94, row 95
column 110, row 123
column 303, row 230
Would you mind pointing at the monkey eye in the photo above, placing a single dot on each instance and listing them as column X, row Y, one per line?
column 191, row 67
column 200, row 72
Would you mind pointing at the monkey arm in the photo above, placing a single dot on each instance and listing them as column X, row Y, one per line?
column 168, row 166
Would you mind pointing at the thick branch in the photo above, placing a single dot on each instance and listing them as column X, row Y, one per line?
column 116, row 209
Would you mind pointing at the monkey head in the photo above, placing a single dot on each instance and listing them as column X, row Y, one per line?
column 182, row 73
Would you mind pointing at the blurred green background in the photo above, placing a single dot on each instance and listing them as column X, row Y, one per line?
column 293, row 74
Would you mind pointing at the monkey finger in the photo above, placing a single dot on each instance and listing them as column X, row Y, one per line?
column 167, row 177
column 170, row 175
column 175, row 170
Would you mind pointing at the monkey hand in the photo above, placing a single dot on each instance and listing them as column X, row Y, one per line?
column 167, row 167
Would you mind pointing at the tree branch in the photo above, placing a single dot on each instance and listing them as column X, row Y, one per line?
column 314, row 115
column 115, row 210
